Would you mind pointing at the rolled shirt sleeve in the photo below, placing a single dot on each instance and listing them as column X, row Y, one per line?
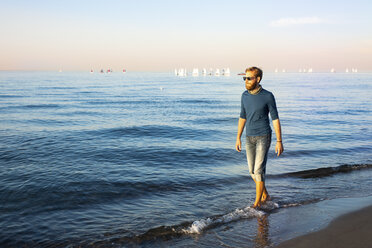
column 243, row 114
column 272, row 108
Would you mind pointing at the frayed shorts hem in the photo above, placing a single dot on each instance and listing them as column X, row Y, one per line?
column 258, row 177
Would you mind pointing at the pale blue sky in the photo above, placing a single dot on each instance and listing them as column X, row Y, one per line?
column 162, row 35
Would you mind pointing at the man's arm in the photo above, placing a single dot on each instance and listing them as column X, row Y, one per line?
column 241, row 125
column 278, row 131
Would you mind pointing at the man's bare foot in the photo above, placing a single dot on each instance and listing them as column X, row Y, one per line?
column 265, row 198
column 256, row 205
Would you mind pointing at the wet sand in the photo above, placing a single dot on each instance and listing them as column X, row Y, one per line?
column 349, row 230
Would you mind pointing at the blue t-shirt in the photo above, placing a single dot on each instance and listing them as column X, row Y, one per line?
column 255, row 109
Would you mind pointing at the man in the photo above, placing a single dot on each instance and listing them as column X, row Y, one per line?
column 256, row 104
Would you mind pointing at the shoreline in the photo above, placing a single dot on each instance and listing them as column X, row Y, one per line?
column 348, row 230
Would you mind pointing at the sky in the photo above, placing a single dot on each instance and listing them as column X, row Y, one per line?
column 163, row 35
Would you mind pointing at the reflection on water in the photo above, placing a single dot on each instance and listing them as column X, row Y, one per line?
column 262, row 237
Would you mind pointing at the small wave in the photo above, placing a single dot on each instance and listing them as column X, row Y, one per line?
column 159, row 157
column 30, row 106
column 35, row 106
column 240, row 213
column 325, row 172
column 343, row 112
column 324, row 152
column 118, row 102
column 56, row 87
column 11, row 96
column 162, row 131
column 197, row 101
column 215, row 121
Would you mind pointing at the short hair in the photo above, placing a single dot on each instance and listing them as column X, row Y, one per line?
column 257, row 71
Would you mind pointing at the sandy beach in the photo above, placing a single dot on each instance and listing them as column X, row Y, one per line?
column 349, row 230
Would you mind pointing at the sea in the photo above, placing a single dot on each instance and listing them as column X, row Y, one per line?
column 148, row 159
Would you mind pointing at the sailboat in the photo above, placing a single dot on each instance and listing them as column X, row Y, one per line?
column 195, row 72
column 227, row 72
column 217, row 73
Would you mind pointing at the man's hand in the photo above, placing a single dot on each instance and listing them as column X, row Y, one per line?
column 238, row 145
column 279, row 148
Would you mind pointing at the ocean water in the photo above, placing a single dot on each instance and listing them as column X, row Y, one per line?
column 148, row 159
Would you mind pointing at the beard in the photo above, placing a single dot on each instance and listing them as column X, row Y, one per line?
column 251, row 86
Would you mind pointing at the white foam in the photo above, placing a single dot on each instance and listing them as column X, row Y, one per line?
column 291, row 205
column 270, row 205
column 199, row 225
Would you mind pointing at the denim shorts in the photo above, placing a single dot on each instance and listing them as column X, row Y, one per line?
column 257, row 148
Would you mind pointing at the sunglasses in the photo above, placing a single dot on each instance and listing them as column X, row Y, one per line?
column 248, row 78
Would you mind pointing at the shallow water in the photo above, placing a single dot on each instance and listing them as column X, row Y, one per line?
column 135, row 159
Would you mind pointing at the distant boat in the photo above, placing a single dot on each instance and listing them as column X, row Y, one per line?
column 347, row 70
column 91, row 71
column 109, row 70
column 276, row 70
column 333, row 70
column 204, row 71
column 354, row 70
column 310, row 70
column 195, row 72
column 102, row 71
column 283, row 70
column 227, row 72
column 217, row 72
column 124, row 70
column 181, row 72
column 210, row 72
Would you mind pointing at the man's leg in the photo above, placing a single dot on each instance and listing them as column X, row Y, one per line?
column 260, row 185
column 262, row 148
column 265, row 195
